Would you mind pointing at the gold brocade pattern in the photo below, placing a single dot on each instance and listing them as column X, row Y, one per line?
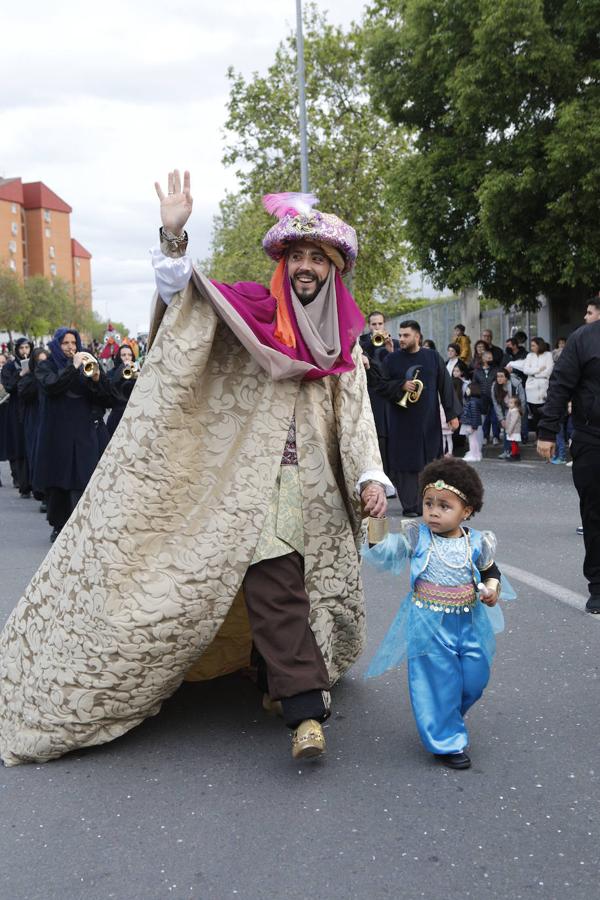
column 282, row 531
column 124, row 604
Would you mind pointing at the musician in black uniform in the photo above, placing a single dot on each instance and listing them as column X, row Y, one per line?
column 376, row 345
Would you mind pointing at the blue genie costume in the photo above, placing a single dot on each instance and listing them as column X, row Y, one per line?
column 442, row 629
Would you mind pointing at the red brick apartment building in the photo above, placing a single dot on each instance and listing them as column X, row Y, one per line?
column 35, row 236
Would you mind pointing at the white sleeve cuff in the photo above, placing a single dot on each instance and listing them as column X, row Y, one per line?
column 376, row 475
column 171, row 274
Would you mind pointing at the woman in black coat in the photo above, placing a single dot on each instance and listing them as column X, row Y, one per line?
column 4, row 397
column 15, row 439
column 72, row 434
column 122, row 385
column 31, row 399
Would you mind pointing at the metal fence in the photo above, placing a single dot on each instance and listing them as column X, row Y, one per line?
column 438, row 320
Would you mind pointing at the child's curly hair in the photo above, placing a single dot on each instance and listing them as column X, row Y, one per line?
column 457, row 473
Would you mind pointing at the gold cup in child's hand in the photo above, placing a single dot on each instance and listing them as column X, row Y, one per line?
column 377, row 529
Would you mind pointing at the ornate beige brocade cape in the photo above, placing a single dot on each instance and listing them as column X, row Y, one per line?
column 142, row 577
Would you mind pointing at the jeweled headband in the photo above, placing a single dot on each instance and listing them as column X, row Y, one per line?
column 440, row 485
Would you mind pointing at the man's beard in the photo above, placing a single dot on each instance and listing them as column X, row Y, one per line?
column 315, row 287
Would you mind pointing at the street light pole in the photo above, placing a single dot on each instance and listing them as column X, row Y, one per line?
column 301, row 100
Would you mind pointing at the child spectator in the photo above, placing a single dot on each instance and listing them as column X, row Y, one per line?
column 513, row 427
column 470, row 421
column 506, row 386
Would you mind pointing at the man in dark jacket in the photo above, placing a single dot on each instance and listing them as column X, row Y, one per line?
column 415, row 436
column 496, row 352
column 376, row 345
column 576, row 377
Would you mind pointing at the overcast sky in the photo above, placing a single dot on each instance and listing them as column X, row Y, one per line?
column 100, row 100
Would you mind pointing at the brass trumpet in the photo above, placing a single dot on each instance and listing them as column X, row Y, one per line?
column 90, row 366
column 378, row 339
column 130, row 372
column 412, row 396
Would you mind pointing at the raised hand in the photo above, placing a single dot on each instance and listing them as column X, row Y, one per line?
column 176, row 204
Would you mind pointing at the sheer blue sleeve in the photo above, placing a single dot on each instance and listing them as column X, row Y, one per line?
column 389, row 555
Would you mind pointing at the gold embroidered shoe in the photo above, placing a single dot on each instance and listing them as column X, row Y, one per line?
column 308, row 740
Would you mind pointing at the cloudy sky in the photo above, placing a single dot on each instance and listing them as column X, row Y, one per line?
column 100, row 100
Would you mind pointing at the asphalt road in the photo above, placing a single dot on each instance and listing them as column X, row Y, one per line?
column 204, row 801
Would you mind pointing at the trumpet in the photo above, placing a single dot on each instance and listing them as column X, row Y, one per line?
column 412, row 396
column 378, row 338
column 90, row 365
column 130, row 372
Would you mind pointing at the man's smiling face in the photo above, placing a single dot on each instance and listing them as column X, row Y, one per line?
column 308, row 268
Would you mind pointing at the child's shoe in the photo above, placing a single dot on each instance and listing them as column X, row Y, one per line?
column 460, row 760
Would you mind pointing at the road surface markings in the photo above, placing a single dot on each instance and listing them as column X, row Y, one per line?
column 571, row 598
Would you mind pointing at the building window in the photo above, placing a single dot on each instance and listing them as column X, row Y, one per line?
column 14, row 228
column 12, row 246
column 47, row 215
column 13, row 208
column 47, row 232
column 12, row 265
column 77, row 263
column 51, row 252
column 52, row 269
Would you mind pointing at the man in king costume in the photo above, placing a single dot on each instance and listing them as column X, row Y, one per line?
column 249, row 443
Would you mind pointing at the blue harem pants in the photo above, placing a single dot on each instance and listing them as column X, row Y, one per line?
column 446, row 682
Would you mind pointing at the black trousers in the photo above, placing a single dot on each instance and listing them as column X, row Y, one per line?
column 61, row 504
column 407, row 488
column 586, row 477
column 278, row 610
column 383, row 449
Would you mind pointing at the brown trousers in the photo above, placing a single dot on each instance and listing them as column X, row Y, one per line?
column 278, row 610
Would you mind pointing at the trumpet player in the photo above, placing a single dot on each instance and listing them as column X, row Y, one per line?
column 418, row 377
column 376, row 344
column 72, row 433
column 122, row 378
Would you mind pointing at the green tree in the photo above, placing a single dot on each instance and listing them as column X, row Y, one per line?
column 503, row 98
column 14, row 305
column 352, row 151
column 50, row 305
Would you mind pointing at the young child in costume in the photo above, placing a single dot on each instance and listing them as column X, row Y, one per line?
column 445, row 627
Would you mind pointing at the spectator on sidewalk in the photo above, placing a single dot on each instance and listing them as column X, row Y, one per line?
column 558, row 349
column 464, row 342
column 470, row 421
column 507, row 386
column 537, row 366
column 478, row 351
column 563, row 438
column 513, row 428
column 453, row 353
column 485, row 377
column 487, row 336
